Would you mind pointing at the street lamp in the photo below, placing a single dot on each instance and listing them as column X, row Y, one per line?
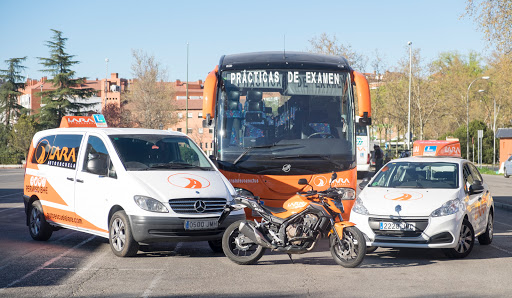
column 409, row 114
column 467, row 114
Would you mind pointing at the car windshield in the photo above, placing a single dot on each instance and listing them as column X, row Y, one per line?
column 159, row 152
column 304, row 119
column 418, row 175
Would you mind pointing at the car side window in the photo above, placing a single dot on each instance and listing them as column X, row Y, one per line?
column 97, row 160
column 468, row 178
column 475, row 173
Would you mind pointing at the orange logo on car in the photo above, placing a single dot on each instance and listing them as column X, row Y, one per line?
column 188, row 181
column 402, row 196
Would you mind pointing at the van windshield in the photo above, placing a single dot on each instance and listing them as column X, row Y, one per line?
column 159, row 152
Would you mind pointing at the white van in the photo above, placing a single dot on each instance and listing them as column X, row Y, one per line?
column 130, row 185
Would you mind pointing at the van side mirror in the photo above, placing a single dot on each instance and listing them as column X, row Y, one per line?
column 98, row 165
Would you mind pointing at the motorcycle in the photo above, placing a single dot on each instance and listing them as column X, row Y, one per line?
column 296, row 228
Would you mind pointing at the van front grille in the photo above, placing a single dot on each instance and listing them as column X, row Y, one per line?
column 195, row 206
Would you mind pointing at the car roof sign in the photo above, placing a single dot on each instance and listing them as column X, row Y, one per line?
column 449, row 148
column 96, row 120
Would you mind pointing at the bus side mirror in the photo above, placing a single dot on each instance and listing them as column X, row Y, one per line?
column 363, row 98
column 364, row 182
column 210, row 96
column 365, row 120
column 303, row 181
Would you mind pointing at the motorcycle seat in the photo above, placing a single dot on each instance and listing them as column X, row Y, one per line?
column 273, row 209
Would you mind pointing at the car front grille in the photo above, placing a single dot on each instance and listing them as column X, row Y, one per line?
column 198, row 206
column 420, row 223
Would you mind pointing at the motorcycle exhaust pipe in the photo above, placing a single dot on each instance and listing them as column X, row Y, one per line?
column 252, row 233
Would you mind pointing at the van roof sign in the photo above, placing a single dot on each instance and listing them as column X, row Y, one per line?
column 437, row 148
column 96, row 120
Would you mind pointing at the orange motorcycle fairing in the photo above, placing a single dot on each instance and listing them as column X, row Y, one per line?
column 339, row 226
column 294, row 205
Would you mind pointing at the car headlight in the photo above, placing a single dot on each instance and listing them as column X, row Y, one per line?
column 450, row 207
column 150, row 204
column 359, row 207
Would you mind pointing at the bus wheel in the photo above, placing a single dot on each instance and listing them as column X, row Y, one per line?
column 39, row 229
column 120, row 236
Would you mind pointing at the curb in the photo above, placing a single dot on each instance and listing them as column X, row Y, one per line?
column 11, row 166
column 503, row 206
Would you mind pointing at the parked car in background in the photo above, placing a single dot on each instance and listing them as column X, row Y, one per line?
column 507, row 167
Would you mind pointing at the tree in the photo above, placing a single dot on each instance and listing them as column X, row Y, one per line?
column 63, row 100
column 494, row 17
column 9, row 91
column 149, row 99
column 325, row 44
column 22, row 133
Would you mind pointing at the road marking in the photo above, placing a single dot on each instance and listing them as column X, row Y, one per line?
column 502, row 249
column 8, row 209
column 502, row 223
column 48, row 263
column 149, row 289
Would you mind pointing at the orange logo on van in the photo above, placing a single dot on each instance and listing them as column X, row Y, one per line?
column 188, row 181
column 402, row 196
column 55, row 156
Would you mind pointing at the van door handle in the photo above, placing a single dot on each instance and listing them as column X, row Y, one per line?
column 70, row 179
column 79, row 180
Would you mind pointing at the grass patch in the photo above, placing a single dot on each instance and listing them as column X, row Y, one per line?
column 485, row 170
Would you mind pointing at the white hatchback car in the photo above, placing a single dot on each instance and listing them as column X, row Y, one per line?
column 434, row 199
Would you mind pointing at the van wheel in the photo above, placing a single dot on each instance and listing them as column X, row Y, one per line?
column 216, row 245
column 39, row 229
column 120, row 236
column 465, row 244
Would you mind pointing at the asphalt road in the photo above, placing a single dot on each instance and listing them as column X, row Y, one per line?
column 74, row 264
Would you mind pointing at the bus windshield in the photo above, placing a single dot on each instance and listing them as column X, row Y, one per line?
column 297, row 121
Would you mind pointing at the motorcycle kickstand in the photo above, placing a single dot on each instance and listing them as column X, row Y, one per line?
column 290, row 256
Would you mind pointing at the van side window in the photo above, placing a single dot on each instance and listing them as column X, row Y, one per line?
column 97, row 160
column 58, row 150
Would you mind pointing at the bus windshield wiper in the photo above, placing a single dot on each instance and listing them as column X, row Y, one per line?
column 310, row 156
column 247, row 149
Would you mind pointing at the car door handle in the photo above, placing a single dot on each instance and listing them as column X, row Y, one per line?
column 80, row 180
column 70, row 179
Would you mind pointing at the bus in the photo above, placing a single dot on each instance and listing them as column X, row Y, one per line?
column 282, row 116
column 363, row 148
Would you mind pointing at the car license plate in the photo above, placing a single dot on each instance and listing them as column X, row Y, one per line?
column 397, row 226
column 201, row 224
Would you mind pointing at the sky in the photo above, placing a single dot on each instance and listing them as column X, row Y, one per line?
column 97, row 30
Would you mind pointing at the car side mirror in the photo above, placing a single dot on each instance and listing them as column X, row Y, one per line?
column 363, row 183
column 476, row 187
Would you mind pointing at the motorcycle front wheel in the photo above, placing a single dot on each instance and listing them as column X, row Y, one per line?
column 237, row 250
column 350, row 251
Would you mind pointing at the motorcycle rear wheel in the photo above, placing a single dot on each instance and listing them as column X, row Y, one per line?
column 351, row 250
column 243, row 254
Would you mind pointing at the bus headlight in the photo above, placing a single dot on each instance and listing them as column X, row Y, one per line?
column 346, row 193
column 150, row 204
column 359, row 207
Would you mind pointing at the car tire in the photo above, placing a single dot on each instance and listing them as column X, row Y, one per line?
column 465, row 243
column 120, row 236
column 216, row 245
column 505, row 173
column 486, row 238
column 38, row 227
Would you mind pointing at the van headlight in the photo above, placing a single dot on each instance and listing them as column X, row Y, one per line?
column 150, row 204
column 448, row 208
column 359, row 207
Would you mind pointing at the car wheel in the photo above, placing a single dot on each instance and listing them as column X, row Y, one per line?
column 39, row 229
column 216, row 245
column 505, row 173
column 120, row 236
column 465, row 243
column 486, row 238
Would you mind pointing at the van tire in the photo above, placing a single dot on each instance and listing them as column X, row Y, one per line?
column 120, row 236
column 38, row 227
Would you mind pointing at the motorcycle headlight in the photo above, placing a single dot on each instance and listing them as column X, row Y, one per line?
column 359, row 207
column 150, row 204
column 346, row 193
column 243, row 192
column 448, row 208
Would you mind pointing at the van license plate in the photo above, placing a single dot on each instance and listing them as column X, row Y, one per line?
column 397, row 226
column 201, row 224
